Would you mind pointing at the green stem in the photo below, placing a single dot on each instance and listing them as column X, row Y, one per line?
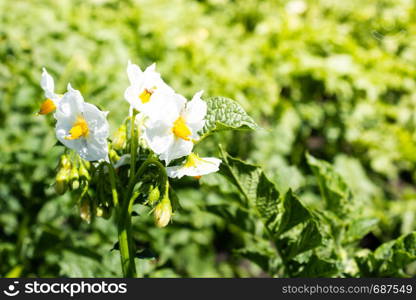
column 133, row 146
column 113, row 185
column 125, row 239
column 126, row 245
column 124, row 208
column 149, row 161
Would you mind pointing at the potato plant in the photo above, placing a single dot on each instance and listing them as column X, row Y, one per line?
column 312, row 142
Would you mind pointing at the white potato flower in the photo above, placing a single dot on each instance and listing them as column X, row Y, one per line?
column 144, row 88
column 194, row 166
column 52, row 100
column 173, row 128
column 81, row 126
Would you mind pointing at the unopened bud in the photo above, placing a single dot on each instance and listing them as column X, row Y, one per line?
column 104, row 212
column 83, row 172
column 154, row 195
column 163, row 212
column 114, row 157
column 85, row 210
column 74, row 178
column 62, row 177
column 120, row 138
column 86, row 164
column 61, row 183
column 65, row 162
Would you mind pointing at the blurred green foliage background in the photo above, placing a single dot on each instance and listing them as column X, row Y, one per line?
column 334, row 78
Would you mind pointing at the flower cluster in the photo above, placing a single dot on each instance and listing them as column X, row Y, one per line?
column 110, row 177
column 169, row 122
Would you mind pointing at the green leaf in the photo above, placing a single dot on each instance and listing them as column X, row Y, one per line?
column 234, row 215
column 267, row 200
column 294, row 212
column 279, row 214
column 333, row 188
column 360, row 227
column 225, row 114
column 258, row 191
column 243, row 175
column 261, row 257
column 366, row 263
column 309, row 238
column 389, row 259
column 75, row 264
column 395, row 255
column 317, row 267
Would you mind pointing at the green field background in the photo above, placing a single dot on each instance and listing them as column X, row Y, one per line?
column 336, row 79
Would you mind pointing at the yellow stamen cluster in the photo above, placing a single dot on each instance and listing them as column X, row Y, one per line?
column 47, row 107
column 145, row 95
column 181, row 130
column 192, row 160
column 79, row 129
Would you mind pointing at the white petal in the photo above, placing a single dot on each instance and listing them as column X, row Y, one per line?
column 194, row 114
column 134, row 73
column 151, row 68
column 158, row 136
column 196, row 109
column 180, row 102
column 177, row 149
column 96, row 149
column 62, row 131
column 208, row 165
column 47, row 82
column 70, row 105
column 204, row 166
column 131, row 94
column 97, row 121
column 163, row 106
column 152, row 79
column 195, row 127
column 175, row 171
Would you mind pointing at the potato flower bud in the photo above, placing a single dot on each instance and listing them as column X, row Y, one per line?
column 114, row 157
column 61, row 181
column 154, row 195
column 163, row 212
column 120, row 138
column 83, row 172
column 65, row 162
column 85, row 210
column 74, row 178
column 103, row 212
column 62, row 177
